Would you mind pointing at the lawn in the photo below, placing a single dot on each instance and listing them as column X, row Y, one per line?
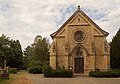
column 4, row 81
column 18, row 78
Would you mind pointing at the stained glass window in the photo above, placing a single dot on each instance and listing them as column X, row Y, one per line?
column 79, row 36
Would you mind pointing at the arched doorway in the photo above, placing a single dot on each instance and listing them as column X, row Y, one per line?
column 78, row 65
column 78, row 57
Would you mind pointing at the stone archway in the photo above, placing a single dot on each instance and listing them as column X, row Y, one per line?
column 78, row 59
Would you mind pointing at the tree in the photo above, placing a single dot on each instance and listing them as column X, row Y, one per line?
column 29, row 52
column 16, row 60
column 41, row 50
column 38, row 51
column 4, row 41
column 28, row 56
column 115, row 51
column 12, row 54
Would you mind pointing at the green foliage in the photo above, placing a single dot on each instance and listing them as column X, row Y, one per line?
column 115, row 51
column 47, row 70
column 35, row 63
column 12, row 54
column 38, row 51
column 41, row 49
column 29, row 53
column 62, row 73
column 35, row 69
column 110, row 73
column 4, row 40
column 13, row 70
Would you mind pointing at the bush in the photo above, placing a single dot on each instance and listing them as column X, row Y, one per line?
column 62, row 73
column 47, row 70
column 110, row 73
column 35, row 69
column 13, row 70
column 34, row 63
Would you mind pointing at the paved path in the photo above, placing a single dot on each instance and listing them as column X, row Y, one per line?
column 39, row 79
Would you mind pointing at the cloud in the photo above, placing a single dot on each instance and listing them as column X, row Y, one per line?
column 65, row 14
column 25, row 19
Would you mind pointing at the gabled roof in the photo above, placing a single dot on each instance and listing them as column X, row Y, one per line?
column 74, row 14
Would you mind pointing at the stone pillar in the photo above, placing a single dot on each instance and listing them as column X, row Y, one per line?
column 66, row 61
column 53, row 61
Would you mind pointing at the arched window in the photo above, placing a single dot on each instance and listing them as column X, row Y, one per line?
column 79, row 52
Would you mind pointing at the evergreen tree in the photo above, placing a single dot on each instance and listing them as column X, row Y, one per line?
column 10, row 50
column 16, row 59
column 28, row 56
column 4, row 42
column 29, row 52
column 115, row 51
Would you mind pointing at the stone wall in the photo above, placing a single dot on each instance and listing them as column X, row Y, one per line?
column 95, row 48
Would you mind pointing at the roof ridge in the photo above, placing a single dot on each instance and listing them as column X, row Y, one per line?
column 75, row 13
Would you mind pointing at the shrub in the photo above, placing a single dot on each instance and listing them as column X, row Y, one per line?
column 110, row 73
column 13, row 70
column 62, row 73
column 47, row 70
column 96, row 73
column 35, row 63
column 35, row 69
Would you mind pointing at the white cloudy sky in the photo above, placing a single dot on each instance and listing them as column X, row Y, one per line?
column 24, row 19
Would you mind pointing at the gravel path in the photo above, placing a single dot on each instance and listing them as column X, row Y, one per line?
column 39, row 79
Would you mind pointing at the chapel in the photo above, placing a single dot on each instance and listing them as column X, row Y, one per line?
column 80, row 45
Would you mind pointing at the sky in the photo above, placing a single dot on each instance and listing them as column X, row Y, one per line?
column 25, row 19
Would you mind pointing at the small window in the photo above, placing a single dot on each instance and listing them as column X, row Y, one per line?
column 78, row 19
column 92, row 47
column 105, row 46
column 54, row 48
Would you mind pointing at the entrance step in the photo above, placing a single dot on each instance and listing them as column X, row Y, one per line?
column 81, row 75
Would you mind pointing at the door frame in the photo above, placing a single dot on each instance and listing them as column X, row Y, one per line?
column 73, row 56
column 74, row 64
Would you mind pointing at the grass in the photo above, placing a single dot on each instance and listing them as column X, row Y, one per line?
column 4, row 81
column 18, row 78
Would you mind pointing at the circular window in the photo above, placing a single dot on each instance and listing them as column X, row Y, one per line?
column 79, row 36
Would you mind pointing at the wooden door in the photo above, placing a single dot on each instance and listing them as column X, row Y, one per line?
column 79, row 65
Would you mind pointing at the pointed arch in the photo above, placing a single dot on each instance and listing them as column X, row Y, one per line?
column 81, row 47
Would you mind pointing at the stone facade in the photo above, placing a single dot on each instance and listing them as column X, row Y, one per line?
column 79, row 44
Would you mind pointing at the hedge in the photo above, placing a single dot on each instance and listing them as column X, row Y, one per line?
column 35, row 69
column 110, row 73
column 49, row 72
column 62, row 73
column 13, row 70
